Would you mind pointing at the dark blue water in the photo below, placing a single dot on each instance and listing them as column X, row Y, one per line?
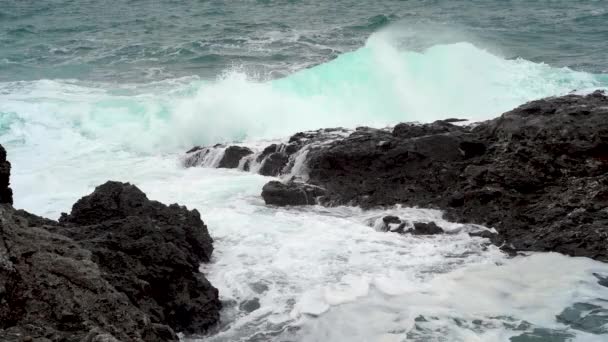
column 140, row 40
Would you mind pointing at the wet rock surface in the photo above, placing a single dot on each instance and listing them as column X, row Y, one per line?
column 397, row 225
column 275, row 160
column 233, row 155
column 53, row 290
column 6, row 193
column 538, row 173
column 148, row 250
column 119, row 267
column 274, row 163
column 291, row 193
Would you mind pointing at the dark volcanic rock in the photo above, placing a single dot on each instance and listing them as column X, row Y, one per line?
column 391, row 219
column 397, row 225
column 194, row 149
column 6, row 194
column 53, row 290
column 292, row 193
column 538, row 173
column 148, row 250
column 118, row 268
column 274, row 164
column 233, row 155
column 424, row 228
column 412, row 130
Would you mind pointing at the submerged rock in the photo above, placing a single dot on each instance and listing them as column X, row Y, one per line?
column 291, row 193
column 586, row 317
column 250, row 305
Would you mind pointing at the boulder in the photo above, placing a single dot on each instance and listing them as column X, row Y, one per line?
column 291, row 193
column 233, row 155
column 425, row 228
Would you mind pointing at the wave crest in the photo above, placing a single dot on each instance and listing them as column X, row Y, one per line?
column 376, row 85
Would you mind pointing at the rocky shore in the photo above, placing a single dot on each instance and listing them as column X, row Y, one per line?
column 537, row 174
column 119, row 267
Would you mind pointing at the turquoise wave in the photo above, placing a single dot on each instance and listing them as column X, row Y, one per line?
column 377, row 85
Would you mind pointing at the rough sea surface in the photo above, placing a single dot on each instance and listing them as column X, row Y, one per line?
column 118, row 89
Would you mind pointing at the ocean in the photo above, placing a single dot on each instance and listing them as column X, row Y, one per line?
column 120, row 89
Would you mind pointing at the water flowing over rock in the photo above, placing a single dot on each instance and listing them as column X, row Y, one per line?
column 291, row 193
column 275, row 160
column 119, row 267
column 397, row 225
column 233, row 155
column 538, row 173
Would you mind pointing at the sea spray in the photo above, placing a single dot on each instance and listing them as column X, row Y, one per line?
column 377, row 85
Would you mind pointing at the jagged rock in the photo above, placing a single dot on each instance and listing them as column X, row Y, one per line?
column 391, row 220
column 148, row 250
column 411, row 130
column 268, row 150
column 274, row 164
column 292, row 193
column 6, row 193
column 119, row 267
column 233, row 155
column 194, row 149
column 425, row 228
column 538, row 174
column 53, row 290
column 395, row 224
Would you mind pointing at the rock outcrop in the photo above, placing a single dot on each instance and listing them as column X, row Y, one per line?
column 276, row 160
column 538, row 174
column 233, row 155
column 148, row 250
column 397, row 225
column 119, row 267
column 6, row 193
column 53, row 290
column 291, row 193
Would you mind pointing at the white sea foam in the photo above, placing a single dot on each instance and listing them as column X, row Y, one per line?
column 319, row 274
